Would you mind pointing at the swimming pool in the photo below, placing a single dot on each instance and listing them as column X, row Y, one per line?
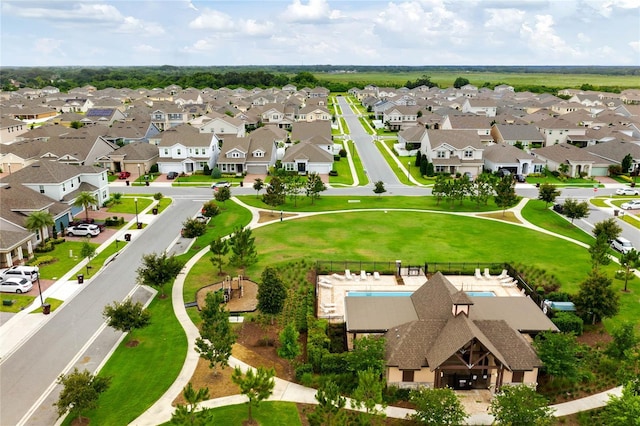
column 480, row 293
column 379, row 293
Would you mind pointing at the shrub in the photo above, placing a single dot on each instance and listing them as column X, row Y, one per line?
column 192, row 228
column 216, row 173
column 44, row 248
column 334, row 363
column 303, row 369
column 343, row 153
column 568, row 323
column 210, row 209
column 153, row 168
column 158, row 196
column 42, row 260
column 333, row 173
column 336, row 158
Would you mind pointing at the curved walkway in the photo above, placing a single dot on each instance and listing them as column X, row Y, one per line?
column 162, row 410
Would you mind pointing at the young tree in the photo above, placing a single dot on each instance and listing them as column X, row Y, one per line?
column 629, row 260
column 575, row 210
column 126, row 316
column 437, row 407
column 210, row 209
column 368, row 394
column 243, row 248
column 599, row 252
column 626, row 163
column 379, row 188
column 623, row 409
column 37, row 221
column 188, row 414
column 293, row 187
column 222, row 194
column 558, row 351
column 258, row 184
column 482, row 188
column 609, row 228
column 624, row 339
column 330, row 408
column 271, row 292
column 84, row 200
column 289, row 346
column 314, row 186
column 505, row 190
column 274, row 195
column 548, row 193
column 368, row 352
column 596, row 299
column 256, row 385
column 192, row 228
column 219, row 248
column 439, row 188
column 87, row 250
column 216, row 337
column 80, row 392
column 158, row 270
column 520, row 405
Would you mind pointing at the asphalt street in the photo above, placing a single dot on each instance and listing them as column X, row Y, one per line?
column 27, row 374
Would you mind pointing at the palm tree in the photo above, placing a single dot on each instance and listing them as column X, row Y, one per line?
column 85, row 199
column 39, row 220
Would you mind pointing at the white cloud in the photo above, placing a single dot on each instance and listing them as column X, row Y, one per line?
column 145, row 48
column 212, row 20
column 191, row 6
column 132, row 25
column 635, row 45
column 254, row 28
column 584, row 38
column 313, row 11
column 543, row 38
column 504, row 19
column 48, row 46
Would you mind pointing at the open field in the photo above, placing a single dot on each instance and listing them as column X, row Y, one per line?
column 446, row 79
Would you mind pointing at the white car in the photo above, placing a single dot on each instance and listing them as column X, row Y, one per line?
column 627, row 191
column 16, row 285
column 83, row 230
column 221, row 184
column 21, row 271
column 631, row 205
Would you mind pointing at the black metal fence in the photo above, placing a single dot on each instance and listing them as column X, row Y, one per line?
column 399, row 268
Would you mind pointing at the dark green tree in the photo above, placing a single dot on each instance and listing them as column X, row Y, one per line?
column 596, row 299
column 608, row 227
column 272, row 292
column 505, row 193
column 222, row 194
column 379, row 188
column 330, row 408
column 574, row 209
column 436, row 407
column 243, row 247
column 258, row 184
column 626, row 163
column 192, row 228
column 623, row 409
column 256, row 385
column 274, row 195
column 548, row 193
column 624, row 339
column 520, row 405
column 315, row 186
column 439, row 188
column 599, row 252
column 293, row 187
column 289, row 345
column 80, row 392
column 558, row 352
column 210, row 209
column 629, row 260
column 126, row 316
column 368, row 352
column 220, row 249
column 188, row 414
column 460, row 81
column 158, row 269
column 216, row 337
column 368, row 395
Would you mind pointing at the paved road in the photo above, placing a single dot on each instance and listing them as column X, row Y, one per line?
column 28, row 372
column 372, row 160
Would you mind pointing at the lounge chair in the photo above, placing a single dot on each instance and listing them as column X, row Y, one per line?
column 509, row 284
column 338, row 277
column 363, row 275
column 326, row 285
column 376, row 275
column 486, row 273
column 503, row 274
column 347, row 274
column 478, row 275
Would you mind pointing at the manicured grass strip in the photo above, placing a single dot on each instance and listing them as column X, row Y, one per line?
column 400, row 174
column 128, row 204
column 363, row 179
column 599, row 202
column 338, row 202
column 20, row 301
column 141, row 374
column 68, row 255
column 538, row 214
column 344, row 173
column 366, row 125
column 631, row 220
column 268, row 413
column 55, row 304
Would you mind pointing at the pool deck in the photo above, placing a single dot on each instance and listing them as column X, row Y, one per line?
column 332, row 289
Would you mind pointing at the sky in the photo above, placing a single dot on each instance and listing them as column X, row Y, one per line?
column 312, row 32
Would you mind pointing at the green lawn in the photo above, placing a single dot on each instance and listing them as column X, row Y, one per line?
column 128, row 204
column 268, row 413
column 68, row 255
column 366, row 125
column 344, row 177
column 537, row 213
column 141, row 374
column 564, row 182
column 363, row 178
column 345, row 128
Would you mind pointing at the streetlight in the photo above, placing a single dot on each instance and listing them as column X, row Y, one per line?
column 40, row 290
column 409, row 170
column 135, row 200
column 138, row 171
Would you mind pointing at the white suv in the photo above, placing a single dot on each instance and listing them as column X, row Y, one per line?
column 84, row 229
column 20, row 271
column 622, row 245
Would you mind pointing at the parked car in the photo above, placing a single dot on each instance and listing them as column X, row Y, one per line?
column 221, row 184
column 172, row 175
column 627, row 191
column 622, row 245
column 16, row 285
column 21, row 271
column 520, row 178
column 83, row 230
column 91, row 221
column 123, row 175
column 504, row 172
column 630, row 205
column 558, row 208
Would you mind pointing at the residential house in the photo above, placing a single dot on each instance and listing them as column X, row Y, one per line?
column 506, row 156
column 453, row 151
column 253, row 154
column 137, row 128
column 525, row 135
column 576, row 160
column 168, row 116
column 486, row 107
column 440, row 336
column 400, row 117
column 11, row 129
column 478, row 123
column 224, row 125
column 614, row 152
column 313, row 113
column 102, row 116
column 183, row 149
column 308, row 157
column 557, row 130
column 136, row 158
